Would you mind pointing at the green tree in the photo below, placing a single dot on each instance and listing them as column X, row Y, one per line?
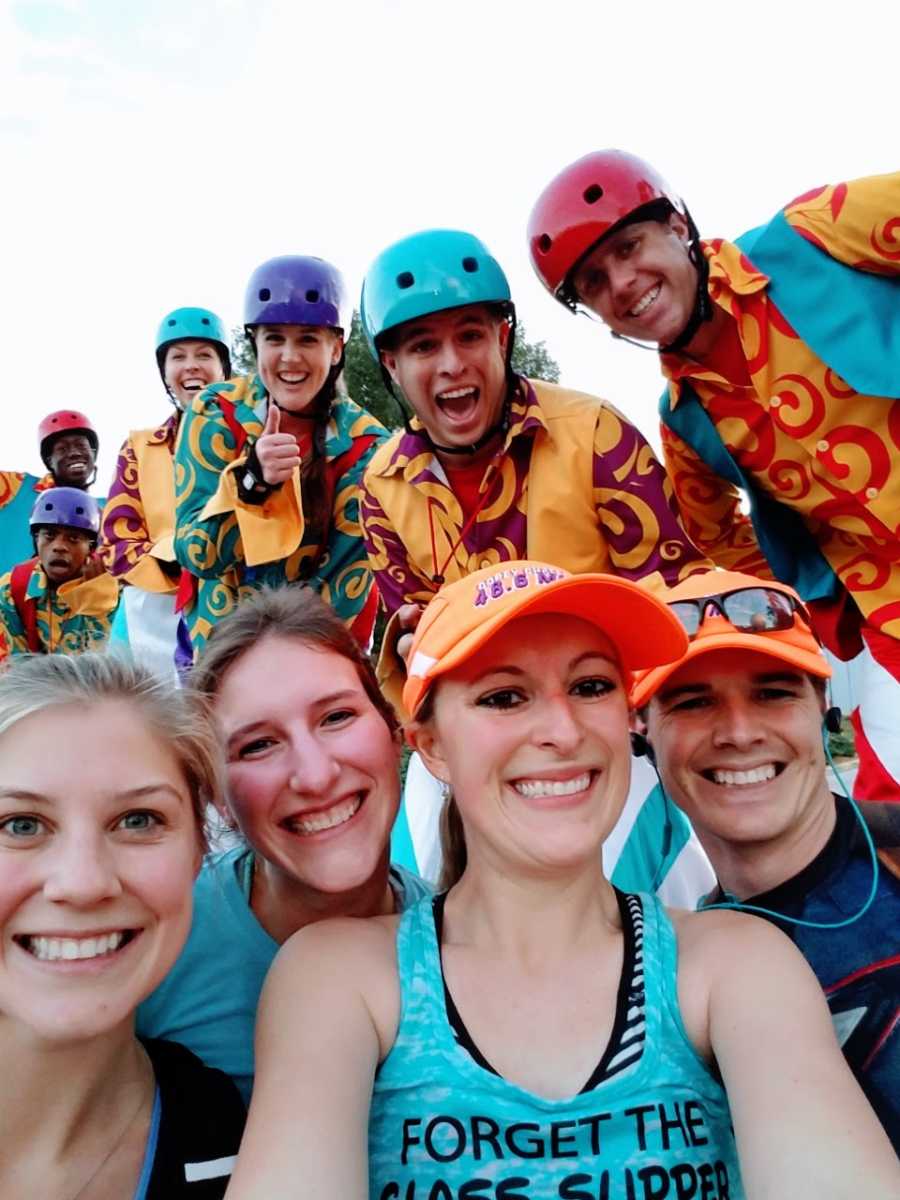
column 362, row 375
column 243, row 356
column 534, row 359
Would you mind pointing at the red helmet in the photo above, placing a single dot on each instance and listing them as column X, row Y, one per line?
column 67, row 420
column 585, row 202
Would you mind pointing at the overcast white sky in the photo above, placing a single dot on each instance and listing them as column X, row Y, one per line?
column 154, row 152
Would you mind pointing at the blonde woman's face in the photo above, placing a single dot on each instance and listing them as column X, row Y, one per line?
column 532, row 735
column 98, row 854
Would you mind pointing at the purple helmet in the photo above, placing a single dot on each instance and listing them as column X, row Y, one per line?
column 66, row 506
column 297, row 290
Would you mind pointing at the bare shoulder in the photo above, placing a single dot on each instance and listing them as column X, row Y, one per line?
column 343, row 942
column 722, row 952
column 342, row 965
column 717, row 940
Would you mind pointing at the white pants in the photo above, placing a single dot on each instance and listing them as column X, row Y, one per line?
column 149, row 628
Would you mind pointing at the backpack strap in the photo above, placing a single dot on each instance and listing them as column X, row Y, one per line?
column 26, row 606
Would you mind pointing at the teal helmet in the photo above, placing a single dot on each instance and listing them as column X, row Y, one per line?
column 196, row 324
column 429, row 272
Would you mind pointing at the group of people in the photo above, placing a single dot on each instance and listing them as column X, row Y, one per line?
column 561, row 609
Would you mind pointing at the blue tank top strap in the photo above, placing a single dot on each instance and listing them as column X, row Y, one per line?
column 418, row 963
column 661, row 968
column 140, row 1192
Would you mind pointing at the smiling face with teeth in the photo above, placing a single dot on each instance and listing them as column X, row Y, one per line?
column 738, row 741
column 531, row 733
column 451, row 367
column 71, row 460
column 640, row 281
column 188, row 367
column 312, row 772
column 98, row 854
column 294, row 362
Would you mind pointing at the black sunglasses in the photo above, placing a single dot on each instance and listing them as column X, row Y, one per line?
column 750, row 610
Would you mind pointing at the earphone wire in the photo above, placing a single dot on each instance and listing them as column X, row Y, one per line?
column 768, row 912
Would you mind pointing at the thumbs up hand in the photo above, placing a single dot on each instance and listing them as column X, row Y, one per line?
column 277, row 453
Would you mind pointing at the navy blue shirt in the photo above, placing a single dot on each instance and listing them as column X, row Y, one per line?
column 858, row 966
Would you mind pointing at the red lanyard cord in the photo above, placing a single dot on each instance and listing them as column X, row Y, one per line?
column 438, row 576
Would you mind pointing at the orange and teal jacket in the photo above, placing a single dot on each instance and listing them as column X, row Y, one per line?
column 798, row 431
column 70, row 619
column 574, row 484
column 138, row 529
column 18, row 492
column 231, row 548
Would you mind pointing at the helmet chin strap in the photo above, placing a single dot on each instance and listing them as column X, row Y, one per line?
column 703, row 309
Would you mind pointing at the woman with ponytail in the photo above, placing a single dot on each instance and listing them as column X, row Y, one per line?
column 268, row 465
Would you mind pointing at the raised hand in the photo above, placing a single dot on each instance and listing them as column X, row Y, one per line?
column 407, row 619
column 277, row 453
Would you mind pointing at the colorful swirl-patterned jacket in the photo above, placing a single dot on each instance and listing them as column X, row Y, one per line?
column 574, row 483
column 794, row 426
column 70, row 619
column 231, row 548
column 18, row 492
column 138, row 530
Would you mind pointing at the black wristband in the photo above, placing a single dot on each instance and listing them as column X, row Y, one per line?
column 252, row 488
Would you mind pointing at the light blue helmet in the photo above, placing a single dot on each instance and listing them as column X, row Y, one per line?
column 429, row 272
column 195, row 324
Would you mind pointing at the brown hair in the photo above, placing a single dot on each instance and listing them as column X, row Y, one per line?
column 454, row 854
column 391, row 338
column 293, row 611
column 33, row 683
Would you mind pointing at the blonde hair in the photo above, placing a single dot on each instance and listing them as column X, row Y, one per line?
column 34, row 683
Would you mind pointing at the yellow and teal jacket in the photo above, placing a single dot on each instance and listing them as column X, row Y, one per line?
column 69, row 619
column 18, row 493
column 229, row 548
column 810, row 417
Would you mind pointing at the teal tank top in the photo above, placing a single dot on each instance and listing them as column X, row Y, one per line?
column 442, row 1127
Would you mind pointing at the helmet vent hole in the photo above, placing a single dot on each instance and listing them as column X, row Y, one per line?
column 544, row 243
column 593, row 193
column 265, row 294
column 405, row 279
column 171, row 321
column 312, row 296
column 470, row 265
column 204, row 320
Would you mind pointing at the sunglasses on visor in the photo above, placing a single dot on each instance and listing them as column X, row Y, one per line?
column 750, row 610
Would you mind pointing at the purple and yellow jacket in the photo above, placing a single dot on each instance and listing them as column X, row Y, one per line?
column 137, row 534
column 574, row 484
